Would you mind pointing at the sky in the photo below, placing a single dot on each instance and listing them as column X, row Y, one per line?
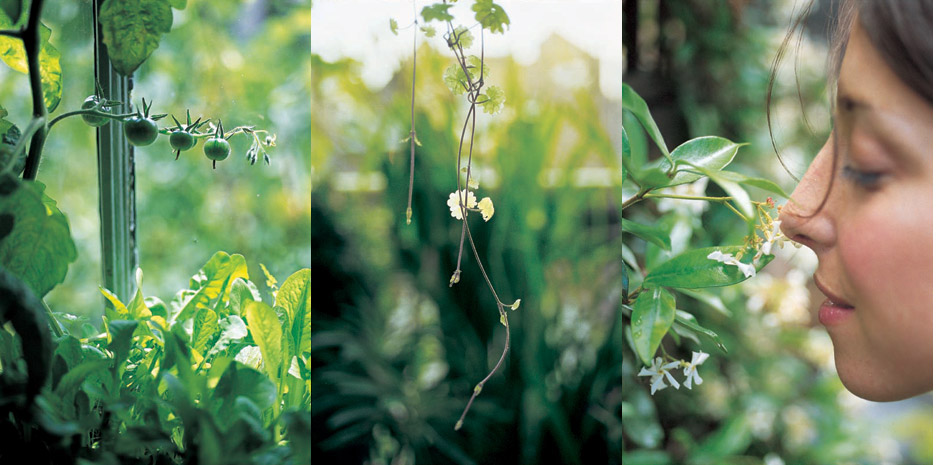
column 360, row 29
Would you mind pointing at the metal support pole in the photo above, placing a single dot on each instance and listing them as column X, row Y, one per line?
column 116, row 190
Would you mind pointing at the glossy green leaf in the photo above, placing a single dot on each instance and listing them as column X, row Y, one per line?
column 295, row 295
column 654, row 311
column 658, row 236
column 267, row 333
column 740, row 196
column 709, row 299
column 710, row 152
column 638, row 107
column 132, row 29
column 242, row 291
column 650, row 177
column 764, row 184
column 39, row 247
column 688, row 320
column 693, row 270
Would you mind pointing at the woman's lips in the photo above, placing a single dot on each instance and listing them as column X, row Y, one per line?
column 835, row 309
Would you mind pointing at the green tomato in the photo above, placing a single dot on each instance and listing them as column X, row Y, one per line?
column 140, row 130
column 217, row 149
column 181, row 140
column 93, row 120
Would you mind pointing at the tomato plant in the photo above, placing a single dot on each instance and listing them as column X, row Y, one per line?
column 145, row 388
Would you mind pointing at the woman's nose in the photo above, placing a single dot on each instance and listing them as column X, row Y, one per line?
column 807, row 217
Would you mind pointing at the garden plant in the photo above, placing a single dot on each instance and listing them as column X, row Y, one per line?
column 162, row 383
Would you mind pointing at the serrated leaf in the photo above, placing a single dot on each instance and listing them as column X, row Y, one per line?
column 267, row 333
column 295, row 295
column 693, row 270
column 39, row 247
column 688, row 321
column 429, row 31
column 636, row 105
column 657, row 236
column 438, row 11
column 494, row 100
column 654, row 311
column 491, row 16
column 709, row 152
column 394, row 27
column 464, row 36
column 132, row 29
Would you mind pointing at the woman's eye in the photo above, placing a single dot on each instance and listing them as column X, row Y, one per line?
column 865, row 179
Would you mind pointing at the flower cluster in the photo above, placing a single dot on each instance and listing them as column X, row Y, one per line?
column 770, row 228
column 659, row 372
column 457, row 198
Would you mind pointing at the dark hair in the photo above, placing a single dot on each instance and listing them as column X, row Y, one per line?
column 900, row 30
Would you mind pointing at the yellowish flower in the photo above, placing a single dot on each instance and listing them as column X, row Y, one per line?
column 455, row 199
column 487, row 208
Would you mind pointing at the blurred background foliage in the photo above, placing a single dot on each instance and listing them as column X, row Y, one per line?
column 774, row 398
column 235, row 60
column 396, row 351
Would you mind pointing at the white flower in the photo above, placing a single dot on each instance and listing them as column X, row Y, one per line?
column 691, row 371
column 774, row 235
column 487, row 208
column 656, row 372
column 455, row 199
column 746, row 268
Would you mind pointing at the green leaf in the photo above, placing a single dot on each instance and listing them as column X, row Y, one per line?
column 464, row 37
column 737, row 193
column 178, row 4
column 688, row 320
column 648, row 233
column 267, row 333
column 429, row 31
column 132, row 29
column 212, row 282
column 295, row 295
column 693, row 270
column 712, row 300
column 494, row 100
column 638, row 107
column 625, row 154
column 651, row 177
column 239, row 380
column 242, row 291
column 39, row 247
column 13, row 9
column 454, row 79
column 203, row 328
column 760, row 183
column 394, row 27
column 233, row 330
column 491, row 16
column 709, row 152
column 653, row 315
column 13, row 53
column 438, row 11
column 121, row 333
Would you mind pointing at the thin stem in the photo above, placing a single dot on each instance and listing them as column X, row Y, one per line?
column 686, row 197
column 636, row 198
column 17, row 34
column 412, row 135
column 88, row 112
column 480, row 385
column 31, row 43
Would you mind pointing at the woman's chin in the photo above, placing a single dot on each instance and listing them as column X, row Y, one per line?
column 867, row 382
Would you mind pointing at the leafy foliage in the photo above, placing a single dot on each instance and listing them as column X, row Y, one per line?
column 156, row 385
column 132, row 29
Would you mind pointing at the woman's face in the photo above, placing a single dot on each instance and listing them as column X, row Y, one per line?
column 874, row 235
